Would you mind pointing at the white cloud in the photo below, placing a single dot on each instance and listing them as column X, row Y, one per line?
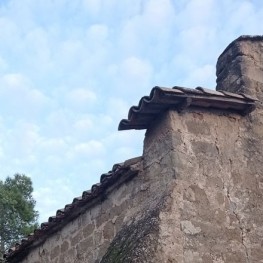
column 3, row 64
column 118, row 108
column 22, row 139
column 187, row 16
column 133, row 67
column 130, row 139
column 1, row 152
column 147, row 30
column 92, row 6
column 19, row 97
column 37, row 48
column 97, row 33
column 201, row 76
column 91, row 126
column 132, row 77
column 59, row 122
column 80, row 98
column 69, row 54
column 53, row 146
column 90, row 149
column 54, row 162
column 83, row 125
column 9, row 33
column 245, row 11
column 51, row 197
column 158, row 14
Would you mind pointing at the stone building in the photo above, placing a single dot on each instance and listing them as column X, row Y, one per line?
column 196, row 193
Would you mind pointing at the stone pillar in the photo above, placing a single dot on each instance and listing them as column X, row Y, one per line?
column 240, row 67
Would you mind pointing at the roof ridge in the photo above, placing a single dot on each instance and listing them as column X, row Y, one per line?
column 160, row 99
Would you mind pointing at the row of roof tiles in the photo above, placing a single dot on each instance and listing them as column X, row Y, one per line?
column 70, row 210
column 179, row 98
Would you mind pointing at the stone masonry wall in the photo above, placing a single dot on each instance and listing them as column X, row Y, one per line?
column 215, row 211
column 198, row 199
column 207, row 167
column 86, row 238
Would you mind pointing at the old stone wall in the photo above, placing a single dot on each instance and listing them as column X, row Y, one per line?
column 198, row 198
column 206, row 168
column 215, row 211
column 86, row 238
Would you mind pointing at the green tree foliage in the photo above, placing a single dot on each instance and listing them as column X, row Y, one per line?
column 17, row 215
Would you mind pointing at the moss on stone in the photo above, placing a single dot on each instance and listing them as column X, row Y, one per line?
column 136, row 242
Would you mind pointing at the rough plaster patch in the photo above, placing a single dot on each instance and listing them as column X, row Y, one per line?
column 189, row 228
column 191, row 256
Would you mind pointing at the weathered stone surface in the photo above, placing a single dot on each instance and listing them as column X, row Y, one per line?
column 209, row 214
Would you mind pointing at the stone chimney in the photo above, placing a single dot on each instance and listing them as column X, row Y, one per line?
column 240, row 67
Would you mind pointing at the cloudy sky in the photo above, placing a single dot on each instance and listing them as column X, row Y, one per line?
column 70, row 70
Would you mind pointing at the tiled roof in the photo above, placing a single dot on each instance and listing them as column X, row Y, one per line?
column 179, row 98
column 70, row 211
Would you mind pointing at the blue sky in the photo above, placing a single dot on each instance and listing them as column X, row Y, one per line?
column 70, row 70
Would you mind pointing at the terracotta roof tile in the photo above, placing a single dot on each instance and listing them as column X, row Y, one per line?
column 70, row 211
column 179, row 98
column 210, row 92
